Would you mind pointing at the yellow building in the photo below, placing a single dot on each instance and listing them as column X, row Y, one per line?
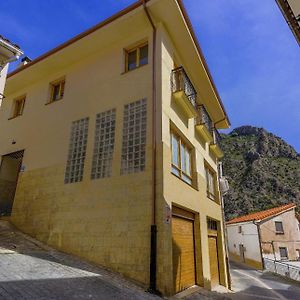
column 112, row 140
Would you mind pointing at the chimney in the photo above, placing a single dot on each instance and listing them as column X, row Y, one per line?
column 24, row 61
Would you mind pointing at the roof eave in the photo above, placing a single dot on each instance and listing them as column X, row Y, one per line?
column 195, row 40
column 78, row 37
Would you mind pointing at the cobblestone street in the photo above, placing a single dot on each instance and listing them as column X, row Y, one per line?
column 29, row 271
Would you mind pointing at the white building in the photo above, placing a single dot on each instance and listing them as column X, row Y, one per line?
column 272, row 233
column 8, row 53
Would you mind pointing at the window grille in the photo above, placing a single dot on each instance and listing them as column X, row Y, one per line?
column 134, row 137
column 104, row 144
column 212, row 224
column 77, row 151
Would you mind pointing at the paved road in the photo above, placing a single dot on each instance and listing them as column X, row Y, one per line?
column 249, row 284
column 30, row 272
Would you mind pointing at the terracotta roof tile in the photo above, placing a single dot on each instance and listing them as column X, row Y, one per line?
column 262, row 214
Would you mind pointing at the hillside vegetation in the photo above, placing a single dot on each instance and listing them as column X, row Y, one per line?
column 262, row 169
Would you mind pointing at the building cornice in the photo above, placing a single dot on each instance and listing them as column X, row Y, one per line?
column 290, row 18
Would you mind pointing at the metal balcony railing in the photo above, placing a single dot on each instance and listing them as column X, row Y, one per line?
column 181, row 82
column 282, row 268
column 204, row 118
column 217, row 137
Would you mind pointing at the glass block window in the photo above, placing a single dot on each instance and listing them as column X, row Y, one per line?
column 104, row 144
column 77, row 151
column 134, row 137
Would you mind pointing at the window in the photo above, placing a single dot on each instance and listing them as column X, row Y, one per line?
column 211, row 180
column 57, row 90
column 18, row 107
column 137, row 57
column 240, row 229
column 283, row 252
column 279, row 227
column 134, row 137
column 212, row 224
column 77, row 151
column 104, row 144
column 181, row 158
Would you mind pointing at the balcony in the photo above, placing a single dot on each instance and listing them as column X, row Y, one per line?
column 215, row 146
column 184, row 93
column 204, row 124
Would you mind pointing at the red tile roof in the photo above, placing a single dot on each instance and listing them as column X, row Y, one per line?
column 262, row 214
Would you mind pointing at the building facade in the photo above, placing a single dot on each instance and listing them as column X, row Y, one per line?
column 272, row 234
column 110, row 150
column 291, row 12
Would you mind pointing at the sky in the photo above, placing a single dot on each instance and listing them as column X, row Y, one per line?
column 250, row 50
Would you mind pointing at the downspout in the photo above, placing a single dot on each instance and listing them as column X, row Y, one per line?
column 153, row 241
column 225, row 230
column 260, row 245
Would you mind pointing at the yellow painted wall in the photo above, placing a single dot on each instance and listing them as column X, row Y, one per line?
column 107, row 220
column 175, row 191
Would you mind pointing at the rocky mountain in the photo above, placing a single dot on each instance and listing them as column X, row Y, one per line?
column 262, row 169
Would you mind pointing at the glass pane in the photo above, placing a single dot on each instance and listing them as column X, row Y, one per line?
column 143, row 55
column 188, row 161
column 211, row 184
column 175, row 171
column 131, row 57
column 186, row 179
column 182, row 156
column 175, row 156
column 55, row 92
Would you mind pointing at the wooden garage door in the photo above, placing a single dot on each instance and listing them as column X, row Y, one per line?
column 183, row 253
column 213, row 260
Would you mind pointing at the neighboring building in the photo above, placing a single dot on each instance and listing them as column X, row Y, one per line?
column 115, row 135
column 291, row 12
column 272, row 233
column 8, row 53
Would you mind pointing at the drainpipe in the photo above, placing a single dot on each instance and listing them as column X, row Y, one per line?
column 273, row 248
column 153, row 241
column 224, row 230
column 260, row 244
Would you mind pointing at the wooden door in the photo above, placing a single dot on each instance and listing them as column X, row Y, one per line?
column 183, row 253
column 213, row 261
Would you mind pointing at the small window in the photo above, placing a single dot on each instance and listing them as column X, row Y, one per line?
column 279, row 227
column 181, row 158
column 18, row 107
column 212, row 224
column 57, row 90
column 211, row 183
column 240, row 229
column 298, row 254
column 137, row 57
column 283, row 252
